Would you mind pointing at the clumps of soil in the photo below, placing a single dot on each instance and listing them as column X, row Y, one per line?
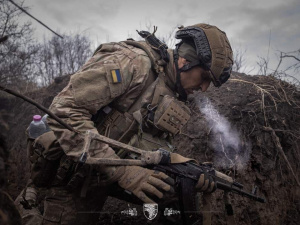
column 264, row 114
column 16, row 115
column 8, row 212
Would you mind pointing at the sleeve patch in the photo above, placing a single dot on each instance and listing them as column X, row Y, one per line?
column 116, row 76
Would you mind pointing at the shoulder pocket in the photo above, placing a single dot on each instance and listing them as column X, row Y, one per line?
column 97, row 86
column 53, row 212
column 90, row 87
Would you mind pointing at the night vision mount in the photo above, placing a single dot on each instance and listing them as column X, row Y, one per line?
column 156, row 44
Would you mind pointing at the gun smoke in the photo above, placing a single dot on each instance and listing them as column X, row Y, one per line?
column 230, row 150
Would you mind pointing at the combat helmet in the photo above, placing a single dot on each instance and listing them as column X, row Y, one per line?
column 213, row 51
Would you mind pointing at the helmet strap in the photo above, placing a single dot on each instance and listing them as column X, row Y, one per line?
column 189, row 66
column 178, row 87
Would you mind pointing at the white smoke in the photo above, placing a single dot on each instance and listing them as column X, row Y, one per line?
column 231, row 151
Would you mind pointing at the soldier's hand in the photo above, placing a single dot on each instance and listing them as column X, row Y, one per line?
column 144, row 183
column 206, row 183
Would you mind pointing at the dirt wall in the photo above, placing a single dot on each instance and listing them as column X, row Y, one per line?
column 257, row 143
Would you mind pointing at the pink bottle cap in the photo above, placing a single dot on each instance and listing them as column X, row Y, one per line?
column 37, row 118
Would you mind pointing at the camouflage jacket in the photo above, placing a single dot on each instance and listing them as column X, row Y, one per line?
column 118, row 74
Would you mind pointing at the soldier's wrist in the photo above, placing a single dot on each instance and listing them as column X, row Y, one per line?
column 111, row 174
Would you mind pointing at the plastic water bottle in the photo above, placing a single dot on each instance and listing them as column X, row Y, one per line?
column 36, row 127
column 44, row 119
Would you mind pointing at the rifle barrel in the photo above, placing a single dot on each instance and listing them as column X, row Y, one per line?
column 231, row 188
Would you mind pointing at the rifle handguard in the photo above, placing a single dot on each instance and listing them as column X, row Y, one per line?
column 223, row 176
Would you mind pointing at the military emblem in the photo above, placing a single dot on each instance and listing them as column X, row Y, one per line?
column 116, row 76
column 170, row 211
column 130, row 212
column 150, row 210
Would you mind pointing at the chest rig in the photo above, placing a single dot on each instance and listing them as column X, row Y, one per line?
column 152, row 120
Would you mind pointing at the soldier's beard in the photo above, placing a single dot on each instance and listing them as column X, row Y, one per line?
column 231, row 151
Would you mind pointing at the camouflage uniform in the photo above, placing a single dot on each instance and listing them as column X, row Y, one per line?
column 118, row 94
column 92, row 88
column 119, row 78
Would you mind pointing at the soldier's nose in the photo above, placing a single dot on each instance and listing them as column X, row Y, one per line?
column 204, row 86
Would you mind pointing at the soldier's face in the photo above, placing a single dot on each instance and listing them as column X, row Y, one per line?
column 194, row 79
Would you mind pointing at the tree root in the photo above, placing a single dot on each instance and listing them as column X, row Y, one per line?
column 263, row 91
column 279, row 147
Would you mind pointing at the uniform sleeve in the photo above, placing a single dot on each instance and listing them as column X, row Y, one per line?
column 107, row 78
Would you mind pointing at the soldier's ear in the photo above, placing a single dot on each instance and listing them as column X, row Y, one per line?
column 182, row 62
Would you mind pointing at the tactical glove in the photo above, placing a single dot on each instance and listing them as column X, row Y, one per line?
column 206, row 183
column 142, row 182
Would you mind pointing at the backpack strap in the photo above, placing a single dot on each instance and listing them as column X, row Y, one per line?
column 156, row 62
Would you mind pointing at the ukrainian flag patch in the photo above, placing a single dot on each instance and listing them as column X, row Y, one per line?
column 116, row 76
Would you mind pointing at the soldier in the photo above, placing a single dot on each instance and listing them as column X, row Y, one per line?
column 127, row 91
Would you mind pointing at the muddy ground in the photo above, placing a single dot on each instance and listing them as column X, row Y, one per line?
column 253, row 136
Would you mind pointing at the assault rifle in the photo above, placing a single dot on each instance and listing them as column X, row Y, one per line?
column 186, row 176
column 185, row 173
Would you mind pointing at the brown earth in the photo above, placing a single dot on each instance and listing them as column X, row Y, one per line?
column 263, row 116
